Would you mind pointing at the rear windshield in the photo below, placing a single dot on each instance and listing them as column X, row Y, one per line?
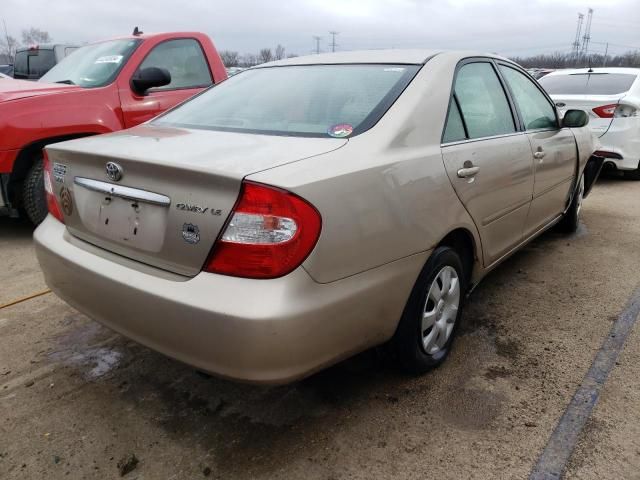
column 309, row 100
column 588, row 83
column 33, row 63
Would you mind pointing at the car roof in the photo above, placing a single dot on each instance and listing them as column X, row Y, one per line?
column 573, row 71
column 398, row 56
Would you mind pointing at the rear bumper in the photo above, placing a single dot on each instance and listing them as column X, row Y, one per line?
column 263, row 331
column 623, row 139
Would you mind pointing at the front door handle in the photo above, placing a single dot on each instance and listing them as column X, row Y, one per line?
column 468, row 170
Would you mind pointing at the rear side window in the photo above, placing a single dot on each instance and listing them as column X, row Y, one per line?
column 534, row 107
column 454, row 130
column 33, row 63
column 588, row 83
column 185, row 61
column 483, row 103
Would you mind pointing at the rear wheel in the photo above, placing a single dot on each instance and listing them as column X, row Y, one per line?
column 571, row 219
column 33, row 196
column 430, row 318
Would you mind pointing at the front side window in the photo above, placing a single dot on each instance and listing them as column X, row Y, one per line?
column 306, row 100
column 95, row 65
column 185, row 62
column 483, row 102
column 595, row 83
column 534, row 107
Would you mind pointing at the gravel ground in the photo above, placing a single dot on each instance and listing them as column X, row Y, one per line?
column 78, row 401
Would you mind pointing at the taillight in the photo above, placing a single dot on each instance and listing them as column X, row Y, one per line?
column 270, row 233
column 52, row 202
column 605, row 111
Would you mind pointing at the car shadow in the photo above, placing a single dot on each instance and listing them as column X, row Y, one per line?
column 15, row 228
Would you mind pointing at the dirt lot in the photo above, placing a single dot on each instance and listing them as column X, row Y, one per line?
column 76, row 398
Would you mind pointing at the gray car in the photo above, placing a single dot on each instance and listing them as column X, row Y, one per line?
column 311, row 208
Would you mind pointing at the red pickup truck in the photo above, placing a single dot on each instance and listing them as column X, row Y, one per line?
column 100, row 88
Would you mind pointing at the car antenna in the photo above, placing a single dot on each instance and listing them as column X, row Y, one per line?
column 137, row 31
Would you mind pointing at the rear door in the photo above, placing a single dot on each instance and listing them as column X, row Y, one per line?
column 487, row 159
column 185, row 60
column 553, row 148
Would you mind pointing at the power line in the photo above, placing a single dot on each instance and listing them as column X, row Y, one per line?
column 333, row 40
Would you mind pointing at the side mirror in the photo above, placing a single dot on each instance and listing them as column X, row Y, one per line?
column 575, row 119
column 150, row 77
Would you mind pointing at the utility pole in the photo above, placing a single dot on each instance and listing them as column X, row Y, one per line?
column 317, row 39
column 606, row 50
column 333, row 40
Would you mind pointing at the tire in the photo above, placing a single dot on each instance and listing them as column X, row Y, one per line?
column 571, row 219
column 33, row 197
column 417, row 346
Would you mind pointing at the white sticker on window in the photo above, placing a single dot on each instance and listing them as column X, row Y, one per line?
column 109, row 59
column 394, row 69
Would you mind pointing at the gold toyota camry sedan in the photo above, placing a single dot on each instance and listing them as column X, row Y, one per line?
column 308, row 209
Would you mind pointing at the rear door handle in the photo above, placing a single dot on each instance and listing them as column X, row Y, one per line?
column 468, row 171
column 539, row 154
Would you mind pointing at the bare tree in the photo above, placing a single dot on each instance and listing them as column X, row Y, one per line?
column 8, row 46
column 230, row 58
column 249, row 60
column 265, row 55
column 35, row 35
column 279, row 55
column 570, row 60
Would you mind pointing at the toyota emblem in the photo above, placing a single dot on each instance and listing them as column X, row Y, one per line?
column 114, row 171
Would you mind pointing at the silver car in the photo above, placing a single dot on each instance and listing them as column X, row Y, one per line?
column 309, row 209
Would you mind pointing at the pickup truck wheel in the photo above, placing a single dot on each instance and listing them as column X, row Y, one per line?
column 571, row 219
column 33, row 196
column 428, row 324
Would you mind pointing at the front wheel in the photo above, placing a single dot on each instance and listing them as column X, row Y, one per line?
column 571, row 219
column 33, row 196
column 428, row 324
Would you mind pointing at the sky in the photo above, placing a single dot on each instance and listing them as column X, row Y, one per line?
column 512, row 28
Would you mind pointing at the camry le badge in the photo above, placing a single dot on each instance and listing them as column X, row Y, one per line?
column 114, row 171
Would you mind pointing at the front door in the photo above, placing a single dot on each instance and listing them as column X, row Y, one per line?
column 553, row 148
column 488, row 161
column 185, row 61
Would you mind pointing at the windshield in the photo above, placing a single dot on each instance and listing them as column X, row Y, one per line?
column 309, row 100
column 95, row 65
column 588, row 83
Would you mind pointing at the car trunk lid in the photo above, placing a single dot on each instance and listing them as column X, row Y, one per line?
column 176, row 190
column 599, row 125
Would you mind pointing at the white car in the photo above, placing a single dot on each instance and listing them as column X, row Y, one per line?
column 611, row 97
